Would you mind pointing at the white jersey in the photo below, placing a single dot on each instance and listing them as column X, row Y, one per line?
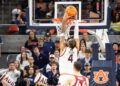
column 67, row 59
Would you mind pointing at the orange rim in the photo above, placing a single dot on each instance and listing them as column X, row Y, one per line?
column 82, row 30
column 68, row 20
column 57, row 20
column 61, row 19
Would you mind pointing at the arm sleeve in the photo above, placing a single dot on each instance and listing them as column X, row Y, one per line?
column 76, row 30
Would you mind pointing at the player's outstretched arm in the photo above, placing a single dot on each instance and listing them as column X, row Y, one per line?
column 62, row 35
column 76, row 34
column 98, row 39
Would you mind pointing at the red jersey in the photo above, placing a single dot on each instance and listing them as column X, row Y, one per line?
column 80, row 81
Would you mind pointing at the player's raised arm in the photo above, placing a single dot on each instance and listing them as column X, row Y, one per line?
column 62, row 35
column 76, row 33
column 98, row 39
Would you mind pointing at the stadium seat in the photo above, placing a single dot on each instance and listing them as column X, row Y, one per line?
column 11, row 58
column 12, row 30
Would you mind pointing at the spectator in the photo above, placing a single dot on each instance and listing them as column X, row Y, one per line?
column 32, row 41
column 17, row 67
column 24, row 4
column 13, row 72
column 47, row 67
column 119, row 45
column 115, row 29
column 50, row 13
column 117, row 57
column 0, row 46
column 53, row 75
column 40, row 46
column 49, row 44
column 82, row 49
column 42, row 5
column 31, row 76
column 112, row 3
column 21, row 19
column 57, row 45
column 31, row 64
column 88, row 42
column 82, row 41
column 117, row 9
column 87, row 70
column 87, row 59
column 61, row 11
column 23, row 49
column 57, row 55
column 41, row 9
column 118, row 70
column 116, row 18
column 24, row 60
column 40, row 60
column 15, row 12
column 115, row 48
column 89, row 6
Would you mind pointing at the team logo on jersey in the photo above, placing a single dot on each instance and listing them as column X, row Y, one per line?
column 101, row 77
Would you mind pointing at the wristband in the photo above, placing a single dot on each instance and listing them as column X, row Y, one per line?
column 62, row 34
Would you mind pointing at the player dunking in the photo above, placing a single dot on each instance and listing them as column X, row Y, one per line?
column 77, row 79
column 69, row 50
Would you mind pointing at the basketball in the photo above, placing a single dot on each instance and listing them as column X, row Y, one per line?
column 71, row 11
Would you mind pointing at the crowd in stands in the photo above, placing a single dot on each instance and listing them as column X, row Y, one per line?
column 41, row 55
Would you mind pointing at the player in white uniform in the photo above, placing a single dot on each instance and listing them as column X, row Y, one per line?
column 68, row 50
column 67, row 59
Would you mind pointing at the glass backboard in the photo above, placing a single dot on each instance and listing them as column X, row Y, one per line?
column 96, row 13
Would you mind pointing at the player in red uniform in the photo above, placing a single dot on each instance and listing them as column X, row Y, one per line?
column 77, row 79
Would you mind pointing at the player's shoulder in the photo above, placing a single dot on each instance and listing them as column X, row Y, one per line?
column 81, row 76
column 86, row 79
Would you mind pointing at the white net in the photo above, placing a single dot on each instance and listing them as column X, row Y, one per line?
column 59, row 28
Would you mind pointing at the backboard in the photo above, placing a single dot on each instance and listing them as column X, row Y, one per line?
column 96, row 14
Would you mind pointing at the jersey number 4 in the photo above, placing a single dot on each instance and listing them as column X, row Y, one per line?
column 70, row 58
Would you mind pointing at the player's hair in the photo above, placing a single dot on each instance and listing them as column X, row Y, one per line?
column 72, row 43
column 77, row 65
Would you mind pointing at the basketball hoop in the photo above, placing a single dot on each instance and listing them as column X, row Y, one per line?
column 69, row 23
